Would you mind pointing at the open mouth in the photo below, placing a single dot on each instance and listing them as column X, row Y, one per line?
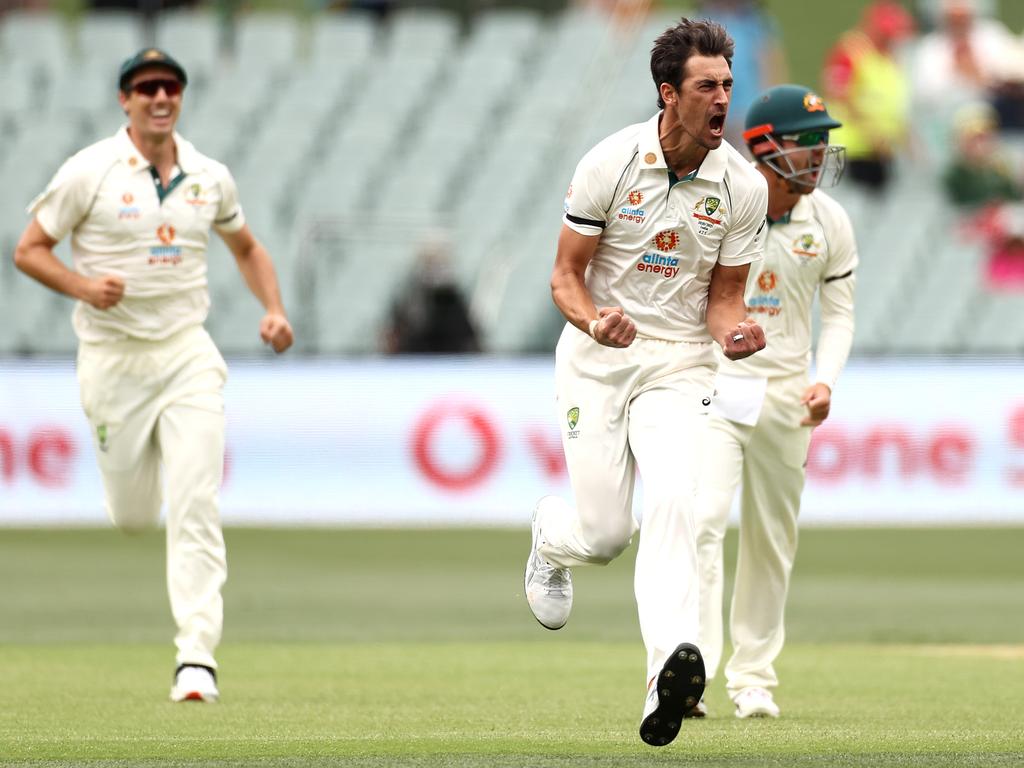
column 717, row 125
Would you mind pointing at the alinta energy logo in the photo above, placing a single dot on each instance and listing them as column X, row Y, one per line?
column 166, row 253
column 165, row 234
column 568, row 197
column 766, row 304
column 767, row 281
column 666, row 240
column 633, row 212
column 661, row 263
column 128, row 210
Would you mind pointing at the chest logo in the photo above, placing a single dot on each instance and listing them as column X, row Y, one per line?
column 194, row 195
column 128, row 211
column 805, row 245
column 666, row 240
column 703, row 211
column 765, row 304
column 633, row 212
column 165, row 234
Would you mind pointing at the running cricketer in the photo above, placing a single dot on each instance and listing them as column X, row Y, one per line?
column 139, row 207
column 662, row 222
column 766, row 406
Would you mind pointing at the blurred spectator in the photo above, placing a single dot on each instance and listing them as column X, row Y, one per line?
column 758, row 62
column 380, row 8
column 1005, row 267
column 1008, row 93
column 961, row 59
column 980, row 173
column 146, row 6
column 431, row 315
column 868, row 92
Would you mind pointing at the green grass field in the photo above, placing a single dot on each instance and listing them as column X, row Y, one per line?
column 415, row 648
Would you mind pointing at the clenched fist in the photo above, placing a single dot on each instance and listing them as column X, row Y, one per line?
column 276, row 331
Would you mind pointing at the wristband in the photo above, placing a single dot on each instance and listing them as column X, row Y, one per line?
column 591, row 327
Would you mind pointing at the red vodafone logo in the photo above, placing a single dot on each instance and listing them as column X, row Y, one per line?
column 44, row 457
column 483, row 439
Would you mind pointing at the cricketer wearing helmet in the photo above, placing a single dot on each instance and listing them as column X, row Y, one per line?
column 766, row 405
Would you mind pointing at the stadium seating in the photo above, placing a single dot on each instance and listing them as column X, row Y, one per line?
column 352, row 141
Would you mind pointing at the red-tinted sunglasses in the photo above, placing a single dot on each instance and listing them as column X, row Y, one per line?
column 152, row 87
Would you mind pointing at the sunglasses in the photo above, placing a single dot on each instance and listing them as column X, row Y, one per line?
column 152, row 87
column 809, row 138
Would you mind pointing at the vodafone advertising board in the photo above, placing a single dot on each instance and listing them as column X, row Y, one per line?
column 477, row 441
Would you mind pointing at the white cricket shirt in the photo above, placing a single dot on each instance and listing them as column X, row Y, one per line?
column 106, row 197
column 661, row 237
column 814, row 251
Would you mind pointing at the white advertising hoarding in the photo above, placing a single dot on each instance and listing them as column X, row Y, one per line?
column 477, row 441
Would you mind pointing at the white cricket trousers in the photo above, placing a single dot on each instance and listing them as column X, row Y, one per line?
column 161, row 403
column 768, row 460
column 643, row 407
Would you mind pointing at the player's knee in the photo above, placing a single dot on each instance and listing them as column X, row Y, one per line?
column 133, row 517
column 709, row 537
column 607, row 545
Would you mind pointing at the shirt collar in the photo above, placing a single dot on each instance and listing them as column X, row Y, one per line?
column 802, row 210
column 649, row 146
column 128, row 153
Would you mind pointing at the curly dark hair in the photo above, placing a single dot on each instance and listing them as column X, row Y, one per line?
column 674, row 47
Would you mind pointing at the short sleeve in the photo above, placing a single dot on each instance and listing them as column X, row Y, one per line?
column 744, row 242
column 65, row 201
column 588, row 200
column 230, row 217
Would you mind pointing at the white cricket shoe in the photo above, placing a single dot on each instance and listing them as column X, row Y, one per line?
column 194, row 683
column 548, row 589
column 755, row 702
column 675, row 692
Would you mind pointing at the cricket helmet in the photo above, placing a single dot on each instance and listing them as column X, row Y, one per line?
column 794, row 113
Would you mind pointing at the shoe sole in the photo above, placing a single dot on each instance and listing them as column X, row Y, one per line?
column 193, row 696
column 526, row 571
column 680, row 686
column 759, row 715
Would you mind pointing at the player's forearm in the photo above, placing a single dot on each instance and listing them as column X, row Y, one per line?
column 837, row 325
column 833, row 350
column 572, row 298
column 724, row 314
column 258, row 271
column 41, row 264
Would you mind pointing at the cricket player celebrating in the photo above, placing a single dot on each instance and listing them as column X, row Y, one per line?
column 662, row 221
column 139, row 207
column 766, row 406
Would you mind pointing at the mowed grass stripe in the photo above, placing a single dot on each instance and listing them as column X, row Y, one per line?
column 457, row 703
column 414, row 648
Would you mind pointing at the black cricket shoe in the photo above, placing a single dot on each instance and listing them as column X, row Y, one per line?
column 675, row 692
